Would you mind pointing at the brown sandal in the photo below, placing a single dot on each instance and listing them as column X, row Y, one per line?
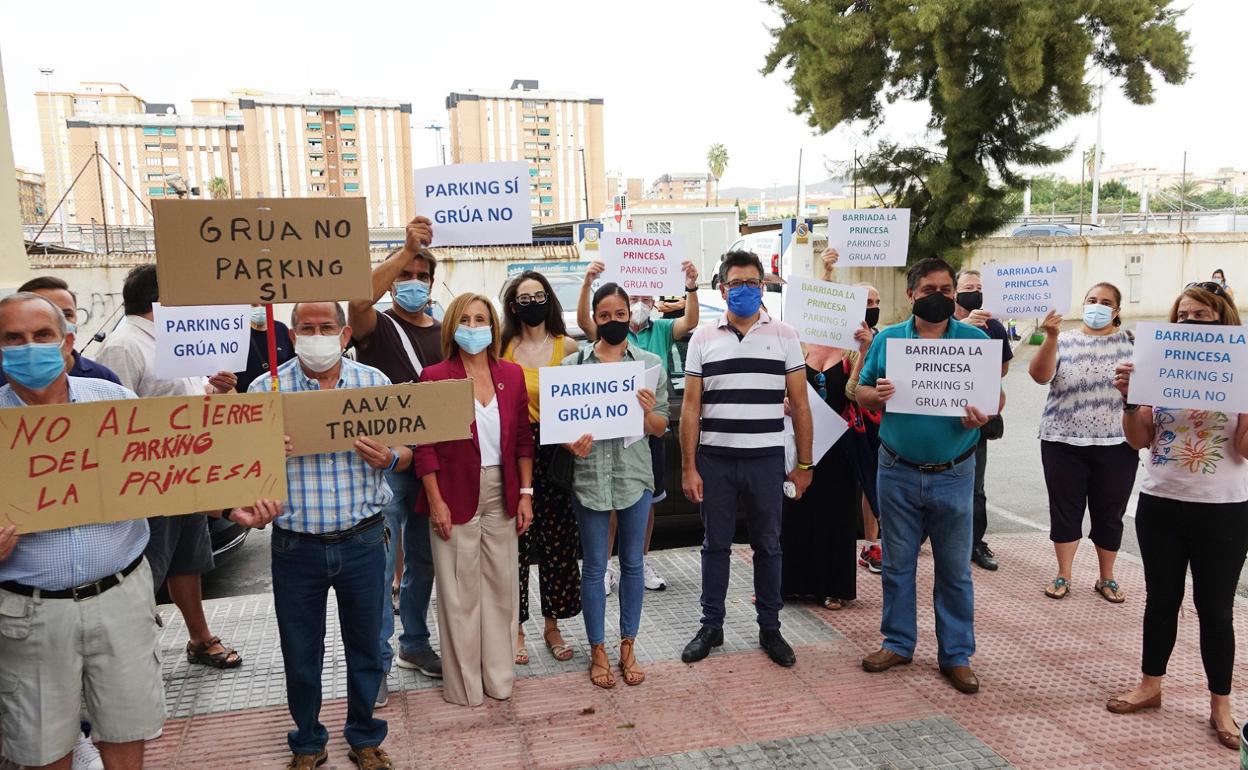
column 1227, row 739
column 198, row 654
column 633, row 675
column 560, row 652
column 600, row 667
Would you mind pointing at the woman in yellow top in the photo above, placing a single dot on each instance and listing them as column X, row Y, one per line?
column 534, row 336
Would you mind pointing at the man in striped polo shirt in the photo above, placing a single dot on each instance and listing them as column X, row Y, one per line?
column 738, row 373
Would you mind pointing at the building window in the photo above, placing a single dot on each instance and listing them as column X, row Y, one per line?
column 314, row 144
column 348, row 157
column 655, row 228
column 348, row 126
column 317, row 172
column 312, row 113
column 545, row 185
column 155, row 177
column 168, row 131
column 530, row 145
column 348, row 142
column 351, row 186
column 543, row 132
column 532, row 105
column 156, row 192
column 153, row 161
column 314, row 126
column 350, row 172
column 316, row 156
column 548, row 199
column 317, row 188
column 347, row 112
column 532, row 172
column 547, row 212
column 150, row 131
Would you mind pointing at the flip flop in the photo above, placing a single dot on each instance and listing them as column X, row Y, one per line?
column 522, row 654
column 560, row 652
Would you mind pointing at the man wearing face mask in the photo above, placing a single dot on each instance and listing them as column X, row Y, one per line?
column 970, row 303
column 57, row 292
column 258, row 354
column 926, row 483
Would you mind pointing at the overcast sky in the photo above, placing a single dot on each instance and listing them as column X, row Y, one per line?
column 676, row 75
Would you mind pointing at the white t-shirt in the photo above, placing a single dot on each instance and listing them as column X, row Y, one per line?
column 489, row 433
column 1193, row 457
column 1084, row 408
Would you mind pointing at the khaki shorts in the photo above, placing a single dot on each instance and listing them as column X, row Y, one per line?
column 57, row 655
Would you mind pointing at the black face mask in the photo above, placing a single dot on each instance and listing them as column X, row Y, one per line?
column 532, row 314
column 613, row 332
column 1201, row 322
column 934, row 308
column 971, row 300
column 873, row 317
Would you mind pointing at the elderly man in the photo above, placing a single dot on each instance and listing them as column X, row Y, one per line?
column 57, row 292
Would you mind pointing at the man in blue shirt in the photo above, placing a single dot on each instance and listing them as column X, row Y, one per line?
column 926, row 479
column 57, row 292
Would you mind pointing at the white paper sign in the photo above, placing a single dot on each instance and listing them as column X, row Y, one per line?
column 199, row 341
column 1189, row 366
column 644, row 265
column 825, row 313
column 829, row 427
column 476, row 204
column 870, row 237
column 944, row 376
column 1028, row 290
column 598, row 399
column 652, row 384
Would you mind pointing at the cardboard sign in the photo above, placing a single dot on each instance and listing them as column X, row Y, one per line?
column 870, row 237
column 476, row 204
column 825, row 313
column 247, row 250
column 829, row 427
column 1188, row 366
column 94, row 462
column 200, row 341
column 598, row 399
column 644, row 265
column 1027, row 290
column 944, row 376
column 413, row 413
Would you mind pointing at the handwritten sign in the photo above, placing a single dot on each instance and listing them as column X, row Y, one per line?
column 425, row 413
column 477, row 204
column 200, row 341
column 944, row 376
column 1190, row 366
column 828, row 429
column 870, row 237
column 247, row 250
column 644, row 265
column 825, row 313
column 94, row 462
column 1028, row 290
column 598, row 399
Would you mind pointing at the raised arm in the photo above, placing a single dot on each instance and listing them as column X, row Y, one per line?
column 584, row 314
column 361, row 315
column 689, row 321
column 1044, row 364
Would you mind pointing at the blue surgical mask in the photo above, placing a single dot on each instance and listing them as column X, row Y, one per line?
column 1097, row 316
column 71, row 328
column 259, row 317
column 744, row 301
column 35, row 365
column 473, row 339
column 412, row 296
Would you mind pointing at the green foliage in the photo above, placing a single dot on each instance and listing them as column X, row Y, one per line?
column 218, row 188
column 716, row 162
column 997, row 75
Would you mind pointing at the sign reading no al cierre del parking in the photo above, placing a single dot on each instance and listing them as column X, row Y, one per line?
column 1189, row 366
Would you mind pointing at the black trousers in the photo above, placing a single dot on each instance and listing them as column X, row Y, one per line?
column 1211, row 538
column 979, row 507
column 1093, row 478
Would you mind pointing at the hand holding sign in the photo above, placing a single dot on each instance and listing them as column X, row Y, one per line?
column 8, row 541
column 419, row 234
column 257, row 516
column 644, row 264
column 869, row 237
column 1028, row 290
column 1190, row 367
column 477, row 204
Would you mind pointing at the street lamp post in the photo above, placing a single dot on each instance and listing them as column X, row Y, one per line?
column 56, row 146
column 439, row 156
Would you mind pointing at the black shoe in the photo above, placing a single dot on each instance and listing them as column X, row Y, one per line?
column 700, row 646
column 984, row 557
column 776, row 648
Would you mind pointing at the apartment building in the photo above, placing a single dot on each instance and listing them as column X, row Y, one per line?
column 559, row 135
column 30, row 197
column 691, row 187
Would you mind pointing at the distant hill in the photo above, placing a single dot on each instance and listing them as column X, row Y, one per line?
column 832, row 186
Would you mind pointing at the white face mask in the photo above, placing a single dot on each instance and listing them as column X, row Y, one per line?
column 318, row 352
column 640, row 313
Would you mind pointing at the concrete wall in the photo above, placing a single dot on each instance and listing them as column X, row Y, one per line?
column 13, row 270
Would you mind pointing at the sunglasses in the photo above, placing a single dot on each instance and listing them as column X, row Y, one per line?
column 1213, row 287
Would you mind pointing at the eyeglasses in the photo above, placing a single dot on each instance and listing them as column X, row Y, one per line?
column 821, row 383
column 753, row 283
column 325, row 330
column 525, row 299
column 1213, row 287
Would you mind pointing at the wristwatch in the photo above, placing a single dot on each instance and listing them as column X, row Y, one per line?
column 805, row 466
column 526, row 491
column 226, row 513
column 1130, row 408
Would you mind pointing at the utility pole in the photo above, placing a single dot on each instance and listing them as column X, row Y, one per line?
column 584, row 181
column 1083, row 169
column 1183, row 193
column 801, row 194
column 99, row 181
column 853, row 178
column 1096, row 154
column 281, row 169
column 56, row 145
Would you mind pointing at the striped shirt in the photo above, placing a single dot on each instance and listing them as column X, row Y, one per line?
column 331, row 491
column 1084, row 408
column 73, row 556
column 743, row 384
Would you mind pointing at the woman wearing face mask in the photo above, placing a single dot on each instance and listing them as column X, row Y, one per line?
column 478, row 494
column 534, row 336
column 1087, row 460
column 1193, row 512
column 258, row 353
column 614, row 475
column 1219, row 277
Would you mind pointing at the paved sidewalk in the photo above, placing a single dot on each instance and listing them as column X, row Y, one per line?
column 1047, row 668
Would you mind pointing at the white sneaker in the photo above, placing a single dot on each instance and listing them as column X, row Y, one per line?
column 86, row 755
column 654, row 582
column 610, row 579
column 156, row 735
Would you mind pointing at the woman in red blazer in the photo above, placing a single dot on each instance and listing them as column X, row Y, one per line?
column 478, row 495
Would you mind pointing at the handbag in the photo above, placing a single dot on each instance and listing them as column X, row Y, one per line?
column 562, row 462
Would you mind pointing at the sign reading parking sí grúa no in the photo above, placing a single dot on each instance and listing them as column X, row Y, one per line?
column 870, row 237
column 944, row 376
column 476, row 204
column 598, row 399
column 1190, row 366
column 1029, row 290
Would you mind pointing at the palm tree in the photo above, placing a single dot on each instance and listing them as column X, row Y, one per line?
column 218, row 188
column 716, row 162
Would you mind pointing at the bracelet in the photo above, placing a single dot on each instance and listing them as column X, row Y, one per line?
column 526, row 491
column 1130, row 408
column 394, row 460
column 805, row 466
column 689, row 290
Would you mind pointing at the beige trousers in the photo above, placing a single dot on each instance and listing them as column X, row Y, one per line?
column 478, row 576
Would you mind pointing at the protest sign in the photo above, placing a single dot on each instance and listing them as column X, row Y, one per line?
column 1028, row 290
column 870, row 237
column 224, row 252
column 1189, row 366
column 828, row 429
column 476, row 204
column 598, row 399
column 652, row 384
column 199, row 341
column 644, row 265
column 825, row 313
column 424, row 413
column 93, row 462
column 944, row 376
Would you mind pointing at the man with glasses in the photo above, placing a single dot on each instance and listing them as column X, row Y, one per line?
column 737, row 373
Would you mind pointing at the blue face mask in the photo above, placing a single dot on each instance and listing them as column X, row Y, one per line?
column 412, row 296
column 71, row 328
column 35, row 365
column 744, row 301
column 473, row 339
column 1097, row 316
column 259, row 316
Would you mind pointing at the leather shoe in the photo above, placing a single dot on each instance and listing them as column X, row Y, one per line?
column 1120, row 706
column 700, row 646
column 983, row 556
column 776, row 648
column 883, row 660
column 962, row 678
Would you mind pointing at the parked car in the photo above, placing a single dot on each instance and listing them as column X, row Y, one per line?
column 766, row 245
column 1053, row 229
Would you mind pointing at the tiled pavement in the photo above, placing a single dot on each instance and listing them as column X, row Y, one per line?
column 1046, row 666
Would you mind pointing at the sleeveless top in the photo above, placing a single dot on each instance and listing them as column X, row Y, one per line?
column 531, row 375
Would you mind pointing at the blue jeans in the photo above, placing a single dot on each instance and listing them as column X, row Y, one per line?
column 632, row 539
column 303, row 573
column 417, row 584
column 912, row 503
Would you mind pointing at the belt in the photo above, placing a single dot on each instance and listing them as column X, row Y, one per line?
column 929, row 467
column 341, row 536
column 77, row 593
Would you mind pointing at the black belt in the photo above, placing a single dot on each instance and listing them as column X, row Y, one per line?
column 77, row 593
column 929, row 467
column 341, row 536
